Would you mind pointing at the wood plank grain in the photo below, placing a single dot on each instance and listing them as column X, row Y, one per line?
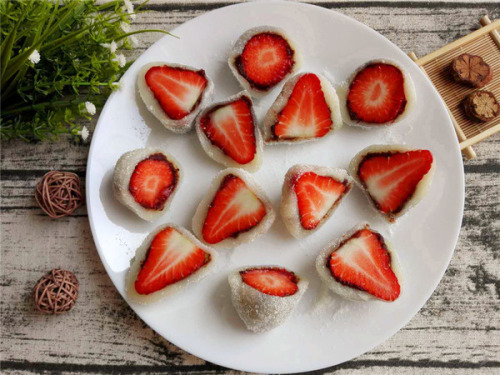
column 456, row 332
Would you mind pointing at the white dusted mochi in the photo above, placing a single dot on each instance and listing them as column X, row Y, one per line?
column 378, row 93
column 263, row 57
column 393, row 177
column 360, row 266
column 306, row 109
column 174, row 93
column 145, row 181
column 309, row 196
column 169, row 259
column 235, row 210
column 265, row 296
column 229, row 133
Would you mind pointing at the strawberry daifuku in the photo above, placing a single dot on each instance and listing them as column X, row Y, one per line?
column 168, row 260
column 229, row 133
column 265, row 296
column 263, row 57
column 360, row 266
column 394, row 177
column 145, row 181
column 174, row 93
column 310, row 195
column 235, row 210
column 306, row 109
column 378, row 93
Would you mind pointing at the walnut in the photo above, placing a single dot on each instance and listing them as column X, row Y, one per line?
column 471, row 70
column 481, row 105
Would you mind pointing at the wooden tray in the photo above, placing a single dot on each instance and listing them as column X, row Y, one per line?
column 484, row 42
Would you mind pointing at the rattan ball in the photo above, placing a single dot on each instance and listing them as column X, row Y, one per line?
column 59, row 193
column 56, row 292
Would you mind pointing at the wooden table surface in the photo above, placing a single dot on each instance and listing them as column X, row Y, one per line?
column 456, row 332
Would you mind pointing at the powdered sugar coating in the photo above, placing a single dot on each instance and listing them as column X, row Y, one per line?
column 124, row 169
column 239, row 46
column 419, row 193
column 344, row 290
column 140, row 256
column 216, row 153
column 184, row 124
column 289, row 205
column 272, row 114
column 259, row 311
column 243, row 237
column 409, row 89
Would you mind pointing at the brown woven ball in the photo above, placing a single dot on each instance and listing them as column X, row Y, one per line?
column 56, row 292
column 59, row 193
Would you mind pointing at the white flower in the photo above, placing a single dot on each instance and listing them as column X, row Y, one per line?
column 112, row 46
column 125, row 27
column 117, row 85
column 130, row 8
column 34, row 57
column 120, row 59
column 84, row 133
column 134, row 40
column 90, row 108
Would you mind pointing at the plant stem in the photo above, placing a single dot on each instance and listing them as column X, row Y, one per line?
column 43, row 105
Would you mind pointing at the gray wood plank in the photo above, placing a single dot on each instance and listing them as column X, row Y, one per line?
column 456, row 332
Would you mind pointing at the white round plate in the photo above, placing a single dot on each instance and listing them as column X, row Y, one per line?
column 324, row 330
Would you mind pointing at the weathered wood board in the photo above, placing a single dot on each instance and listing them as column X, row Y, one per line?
column 457, row 332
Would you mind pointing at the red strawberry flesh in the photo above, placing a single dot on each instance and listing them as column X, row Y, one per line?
column 266, row 59
column 391, row 178
column 178, row 90
column 306, row 114
column 271, row 281
column 231, row 128
column 317, row 196
column 153, row 181
column 364, row 263
column 376, row 94
column 234, row 209
column 171, row 257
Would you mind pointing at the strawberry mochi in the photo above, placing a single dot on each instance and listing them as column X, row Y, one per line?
column 174, row 93
column 306, row 109
column 229, row 133
column 235, row 210
column 262, row 58
column 393, row 177
column 145, row 181
column 169, row 259
column 265, row 296
column 379, row 93
column 310, row 195
column 360, row 266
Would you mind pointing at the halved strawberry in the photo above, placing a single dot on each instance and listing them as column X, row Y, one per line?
column 317, row 196
column 154, row 179
column 376, row 94
column 273, row 281
column 171, row 257
column 266, row 59
column 234, row 209
column 306, row 114
column 178, row 90
column 391, row 178
column 231, row 128
column 363, row 262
